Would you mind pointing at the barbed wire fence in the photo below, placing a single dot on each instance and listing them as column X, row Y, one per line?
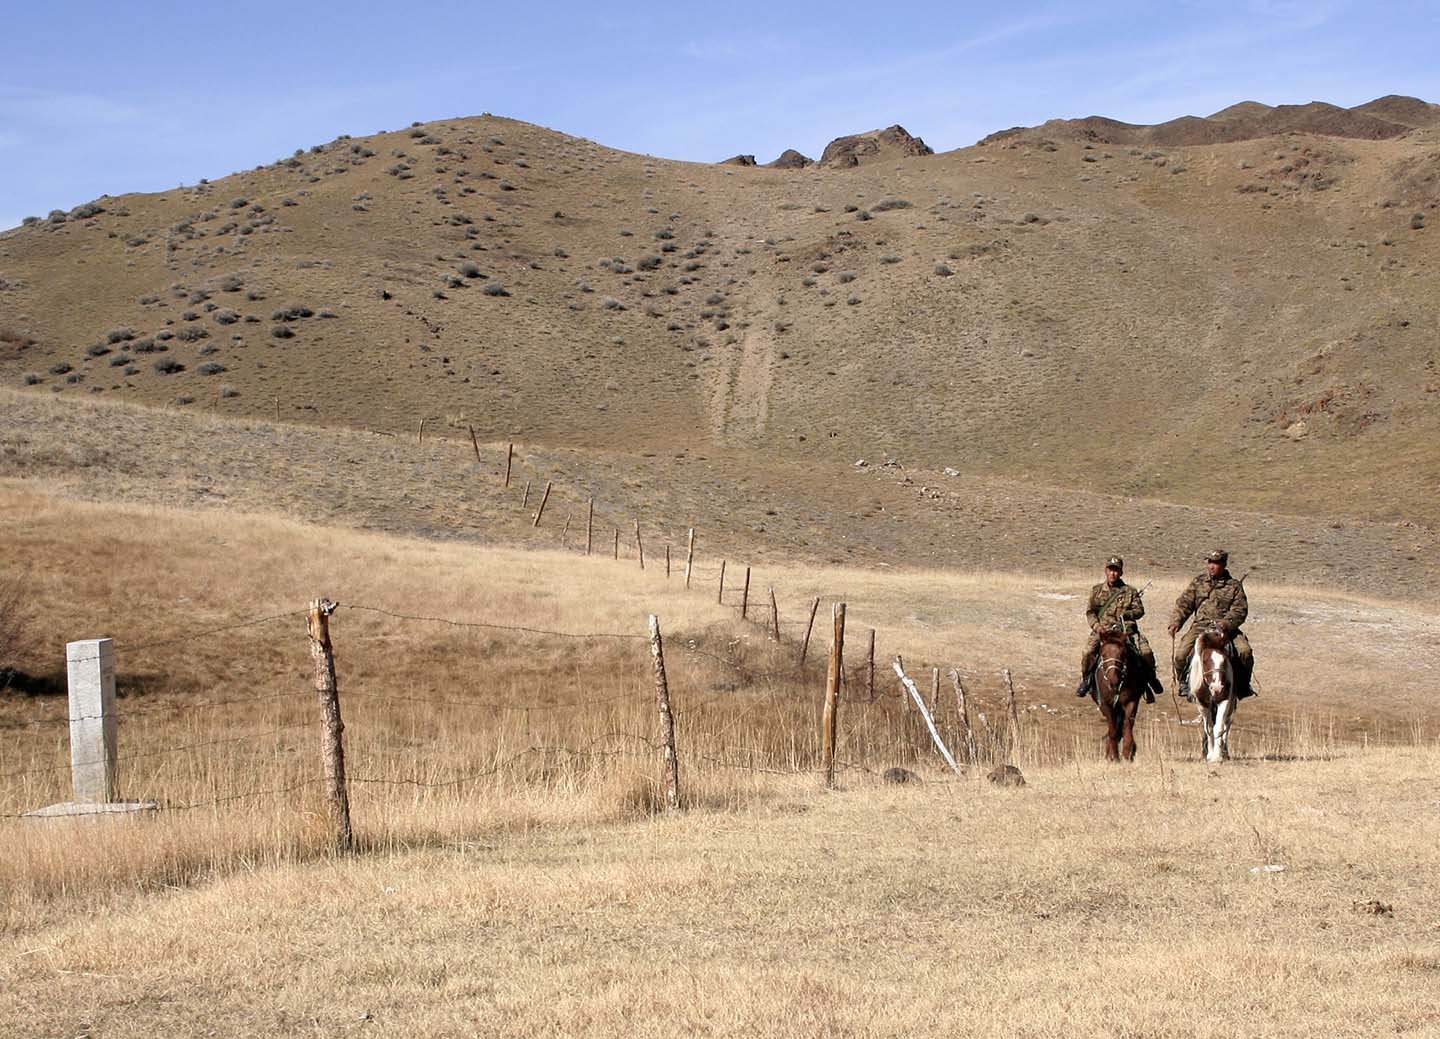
column 740, row 709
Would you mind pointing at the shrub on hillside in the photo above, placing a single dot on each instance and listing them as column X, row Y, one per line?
column 61, row 368
column 494, row 288
column 886, row 204
column 282, row 332
column 211, row 368
column 33, row 379
column 97, row 350
column 191, row 334
column 119, row 335
column 168, row 366
column 611, row 303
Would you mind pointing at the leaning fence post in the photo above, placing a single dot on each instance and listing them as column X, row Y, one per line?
column 667, row 718
column 829, row 720
column 745, row 595
column 1013, row 711
column 90, row 672
column 639, row 545
column 805, row 646
column 720, row 595
column 474, row 443
column 966, row 733
column 543, row 499
column 421, row 441
column 667, row 561
column 617, row 542
column 509, row 457
column 774, row 616
column 525, row 498
column 689, row 555
column 909, row 685
column 332, row 747
column 589, row 525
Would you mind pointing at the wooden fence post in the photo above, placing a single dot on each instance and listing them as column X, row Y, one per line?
column 332, row 747
column 474, row 443
column 509, row 457
column 774, row 616
column 667, row 561
column 720, row 596
column 934, row 692
column 525, row 498
column 589, row 525
column 870, row 672
column 909, row 687
column 745, row 595
column 829, row 720
column 639, row 545
column 966, row 733
column 1013, row 712
column 617, row 542
column 805, row 646
column 543, row 499
column 689, row 555
column 277, row 408
column 565, row 532
column 421, row 442
column 667, row 719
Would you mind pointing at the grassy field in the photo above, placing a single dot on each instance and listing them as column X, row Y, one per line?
column 1106, row 901
column 462, row 728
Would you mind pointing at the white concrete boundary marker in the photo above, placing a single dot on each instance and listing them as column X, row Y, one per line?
column 90, row 664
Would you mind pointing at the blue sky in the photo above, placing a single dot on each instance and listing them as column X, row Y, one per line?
column 113, row 97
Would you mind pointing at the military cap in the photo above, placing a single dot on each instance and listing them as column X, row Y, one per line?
column 1115, row 563
column 1218, row 556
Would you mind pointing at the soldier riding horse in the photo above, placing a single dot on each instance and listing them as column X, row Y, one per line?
column 1213, row 660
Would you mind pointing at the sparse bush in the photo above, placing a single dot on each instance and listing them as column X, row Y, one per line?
column 33, row 379
column 61, row 368
column 119, row 335
column 184, row 399
column 1417, row 222
column 143, row 346
column 211, row 368
column 494, row 288
column 864, row 214
column 454, row 281
column 168, row 366
column 282, row 332
column 291, row 313
column 229, row 392
column 239, row 203
column 664, row 234
column 611, row 303
column 86, row 211
column 97, row 350
column 943, row 270
column 889, row 259
column 886, row 204
column 470, row 269
column 845, row 277
column 119, row 361
column 226, row 317
column 192, row 334
column 231, row 283
column 648, row 262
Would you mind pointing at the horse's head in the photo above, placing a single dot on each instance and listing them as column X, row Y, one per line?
column 1213, row 637
column 1112, row 635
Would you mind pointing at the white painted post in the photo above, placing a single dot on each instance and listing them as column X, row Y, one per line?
column 90, row 664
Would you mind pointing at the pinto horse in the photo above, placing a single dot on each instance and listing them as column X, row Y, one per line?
column 1119, row 687
column 1212, row 680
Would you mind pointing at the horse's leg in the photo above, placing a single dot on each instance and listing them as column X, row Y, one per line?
column 1224, row 714
column 1112, row 728
column 1215, row 716
column 1205, row 732
column 1132, row 707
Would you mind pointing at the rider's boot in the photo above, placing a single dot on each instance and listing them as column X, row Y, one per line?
column 1152, row 686
column 1183, row 688
column 1087, row 681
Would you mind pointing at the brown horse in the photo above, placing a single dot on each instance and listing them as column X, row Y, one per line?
column 1212, row 680
column 1119, row 687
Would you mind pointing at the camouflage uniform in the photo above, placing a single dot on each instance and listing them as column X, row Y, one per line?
column 1120, row 604
column 1213, row 600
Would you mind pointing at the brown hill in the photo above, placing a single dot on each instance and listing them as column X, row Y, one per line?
column 1245, row 324
column 893, row 142
column 1377, row 120
column 790, row 159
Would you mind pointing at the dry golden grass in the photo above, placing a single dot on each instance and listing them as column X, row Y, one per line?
column 458, row 734
column 1107, row 901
